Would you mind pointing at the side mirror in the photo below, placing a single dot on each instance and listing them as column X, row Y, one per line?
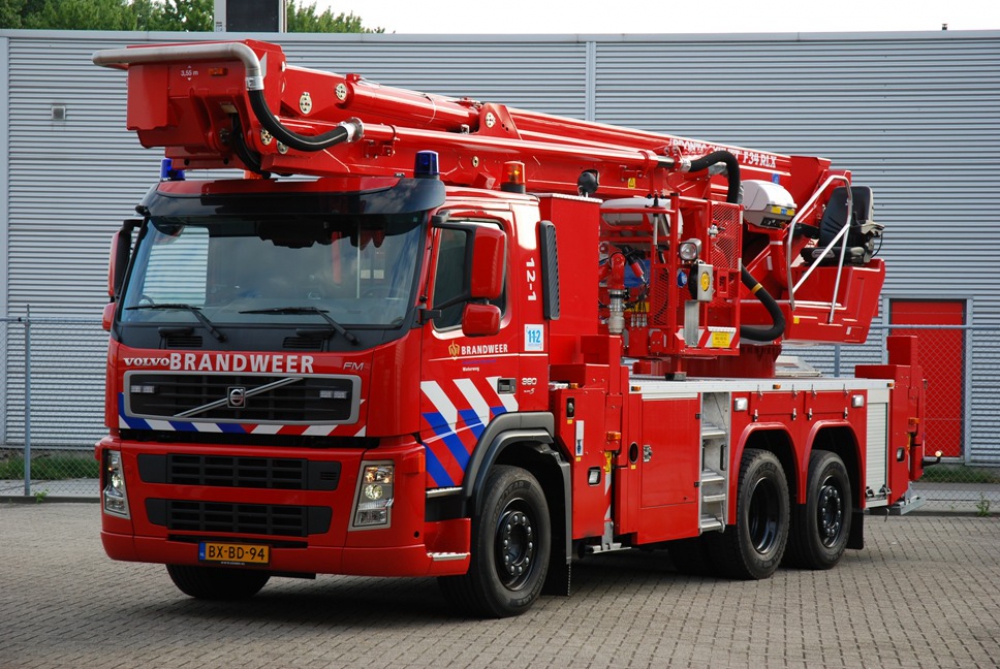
column 108, row 316
column 486, row 273
column 113, row 265
column 480, row 320
column 121, row 248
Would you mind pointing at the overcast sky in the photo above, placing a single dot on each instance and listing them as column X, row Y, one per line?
column 667, row 16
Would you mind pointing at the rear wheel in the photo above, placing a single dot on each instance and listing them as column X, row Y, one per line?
column 821, row 527
column 754, row 546
column 217, row 583
column 511, row 543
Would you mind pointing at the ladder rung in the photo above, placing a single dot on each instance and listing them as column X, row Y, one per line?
column 710, row 523
column 709, row 499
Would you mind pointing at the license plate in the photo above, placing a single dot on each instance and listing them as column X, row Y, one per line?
column 241, row 554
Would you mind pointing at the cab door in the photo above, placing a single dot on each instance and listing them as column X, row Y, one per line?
column 466, row 381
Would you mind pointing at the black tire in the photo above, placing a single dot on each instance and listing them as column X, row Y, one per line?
column 217, row 583
column 511, row 546
column 822, row 526
column 691, row 556
column 752, row 548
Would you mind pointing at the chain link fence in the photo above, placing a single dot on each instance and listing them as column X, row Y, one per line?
column 53, row 406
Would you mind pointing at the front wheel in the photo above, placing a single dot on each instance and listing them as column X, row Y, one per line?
column 753, row 548
column 511, row 545
column 216, row 582
column 821, row 527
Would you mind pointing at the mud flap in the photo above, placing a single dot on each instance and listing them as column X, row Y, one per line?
column 560, row 575
column 856, row 539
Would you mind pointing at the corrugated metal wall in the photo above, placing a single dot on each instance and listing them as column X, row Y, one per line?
column 912, row 114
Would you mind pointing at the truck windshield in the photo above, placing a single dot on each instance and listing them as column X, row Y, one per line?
column 359, row 271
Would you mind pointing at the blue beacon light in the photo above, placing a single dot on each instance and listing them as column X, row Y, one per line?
column 425, row 165
column 167, row 171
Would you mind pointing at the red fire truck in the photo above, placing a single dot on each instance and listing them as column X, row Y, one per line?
column 408, row 334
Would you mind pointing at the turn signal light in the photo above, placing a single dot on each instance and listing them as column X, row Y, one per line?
column 513, row 181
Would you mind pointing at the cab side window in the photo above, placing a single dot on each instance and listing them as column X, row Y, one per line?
column 449, row 275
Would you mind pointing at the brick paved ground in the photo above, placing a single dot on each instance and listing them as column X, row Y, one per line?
column 925, row 593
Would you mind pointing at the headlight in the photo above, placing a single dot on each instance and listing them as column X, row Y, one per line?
column 115, row 499
column 374, row 499
column 689, row 249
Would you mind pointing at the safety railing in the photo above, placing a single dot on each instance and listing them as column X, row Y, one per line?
column 841, row 234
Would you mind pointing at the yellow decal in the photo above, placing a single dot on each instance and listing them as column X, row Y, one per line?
column 454, row 349
column 631, row 182
column 721, row 339
column 607, row 461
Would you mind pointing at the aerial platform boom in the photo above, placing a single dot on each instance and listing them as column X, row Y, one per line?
column 224, row 105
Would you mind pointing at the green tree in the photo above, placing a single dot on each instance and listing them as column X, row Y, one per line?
column 164, row 15
column 182, row 15
column 80, row 15
column 305, row 20
column 10, row 13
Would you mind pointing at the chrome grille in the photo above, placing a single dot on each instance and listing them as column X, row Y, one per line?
column 265, row 398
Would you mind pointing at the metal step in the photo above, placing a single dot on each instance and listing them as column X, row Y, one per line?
column 711, row 499
column 712, row 431
column 710, row 523
column 710, row 476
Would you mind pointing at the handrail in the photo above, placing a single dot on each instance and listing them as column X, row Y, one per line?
column 840, row 235
column 122, row 58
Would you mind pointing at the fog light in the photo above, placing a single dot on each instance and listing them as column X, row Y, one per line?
column 115, row 499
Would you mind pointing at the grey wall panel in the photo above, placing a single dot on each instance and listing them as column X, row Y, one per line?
column 544, row 77
column 4, row 233
column 70, row 184
column 72, row 181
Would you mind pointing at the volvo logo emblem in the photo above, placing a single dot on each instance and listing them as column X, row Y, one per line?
column 237, row 397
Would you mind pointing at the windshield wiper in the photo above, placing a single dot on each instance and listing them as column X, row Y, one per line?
column 308, row 310
column 184, row 307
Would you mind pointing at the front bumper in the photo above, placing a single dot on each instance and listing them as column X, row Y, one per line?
column 167, row 519
column 413, row 560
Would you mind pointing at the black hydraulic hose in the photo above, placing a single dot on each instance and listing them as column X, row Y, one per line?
column 250, row 158
column 347, row 131
column 732, row 171
column 777, row 318
column 733, row 196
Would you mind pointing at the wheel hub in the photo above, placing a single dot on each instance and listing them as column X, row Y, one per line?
column 830, row 509
column 515, row 547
